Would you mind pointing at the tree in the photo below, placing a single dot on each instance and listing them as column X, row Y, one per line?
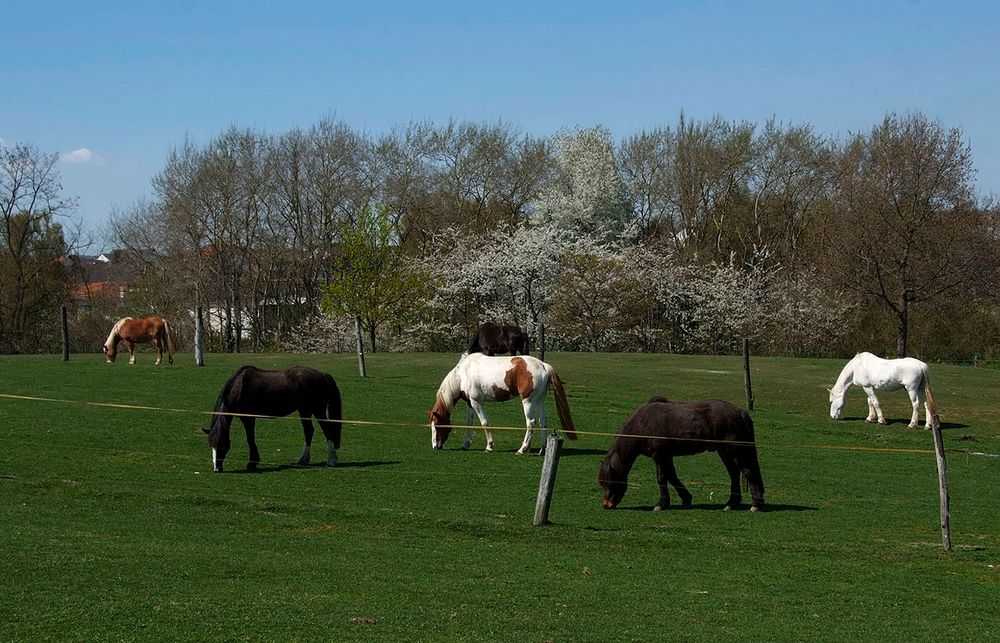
column 371, row 280
column 906, row 216
column 32, row 281
column 587, row 196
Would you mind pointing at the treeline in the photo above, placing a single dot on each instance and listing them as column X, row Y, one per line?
column 683, row 238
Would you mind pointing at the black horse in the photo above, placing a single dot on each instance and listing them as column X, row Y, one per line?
column 274, row 394
column 661, row 429
column 493, row 338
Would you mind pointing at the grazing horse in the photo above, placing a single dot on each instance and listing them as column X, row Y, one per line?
column 154, row 329
column 492, row 339
column 480, row 378
column 661, row 430
column 873, row 373
column 260, row 393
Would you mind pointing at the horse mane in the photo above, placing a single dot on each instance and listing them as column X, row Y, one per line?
column 450, row 389
column 220, row 422
column 115, row 331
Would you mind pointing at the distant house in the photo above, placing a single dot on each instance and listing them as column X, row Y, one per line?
column 105, row 278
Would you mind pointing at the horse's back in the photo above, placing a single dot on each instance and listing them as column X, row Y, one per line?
column 703, row 422
column 277, row 392
column 888, row 374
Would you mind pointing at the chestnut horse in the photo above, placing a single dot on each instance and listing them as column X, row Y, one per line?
column 492, row 339
column 480, row 378
column 661, row 429
column 154, row 329
column 255, row 393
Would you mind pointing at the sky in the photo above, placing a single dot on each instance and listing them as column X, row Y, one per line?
column 114, row 86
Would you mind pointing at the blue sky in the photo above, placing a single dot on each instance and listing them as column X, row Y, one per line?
column 115, row 85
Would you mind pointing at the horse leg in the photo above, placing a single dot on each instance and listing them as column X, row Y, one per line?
column 307, row 432
column 666, row 473
column 735, row 496
column 873, row 401
column 484, row 421
column 871, row 411
column 131, row 351
column 529, row 413
column 915, row 401
column 249, row 425
column 750, row 466
column 469, row 433
column 159, row 350
column 543, row 420
column 331, row 449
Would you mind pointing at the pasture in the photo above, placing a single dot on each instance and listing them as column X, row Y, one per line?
column 114, row 526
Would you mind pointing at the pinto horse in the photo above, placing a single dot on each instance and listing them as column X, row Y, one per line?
column 661, row 430
column 480, row 378
column 259, row 393
column 873, row 373
column 154, row 330
column 492, row 339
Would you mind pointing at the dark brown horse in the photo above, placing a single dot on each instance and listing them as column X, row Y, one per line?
column 154, row 330
column 493, row 338
column 661, row 430
column 256, row 392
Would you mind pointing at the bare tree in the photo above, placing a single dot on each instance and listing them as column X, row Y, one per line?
column 31, row 278
column 906, row 216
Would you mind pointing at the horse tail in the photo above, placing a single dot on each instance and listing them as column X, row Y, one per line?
column 525, row 347
column 333, row 409
column 932, row 415
column 562, row 405
column 170, row 341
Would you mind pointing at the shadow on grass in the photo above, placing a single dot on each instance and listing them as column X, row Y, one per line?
column 704, row 506
column 317, row 465
column 905, row 421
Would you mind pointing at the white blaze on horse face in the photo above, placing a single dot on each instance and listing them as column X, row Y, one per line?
column 434, row 436
column 215, row 465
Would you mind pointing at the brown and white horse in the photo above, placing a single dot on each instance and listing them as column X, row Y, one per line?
column 480, row 378
column 155, row 330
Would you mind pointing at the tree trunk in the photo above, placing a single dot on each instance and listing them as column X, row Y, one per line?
column 902, row 329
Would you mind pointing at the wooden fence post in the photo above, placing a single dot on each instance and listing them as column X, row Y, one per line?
column 541, row 340
column 942, row 467
column 65, row 335
column 361, row 346
column 746, row 373
column 199, row 338
column 548, row 480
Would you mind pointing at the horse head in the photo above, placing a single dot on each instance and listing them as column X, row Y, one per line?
column 439, row 434
column 110, row 352
column 218, row 440
column 612, row 479
column 836, row 403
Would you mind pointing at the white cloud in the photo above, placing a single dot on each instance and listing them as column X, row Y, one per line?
column 81, row 156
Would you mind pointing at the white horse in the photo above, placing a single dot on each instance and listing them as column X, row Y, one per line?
column 481, row 378
column 873, row 373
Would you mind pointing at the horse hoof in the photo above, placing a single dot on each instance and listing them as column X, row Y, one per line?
column 755, row 508
column 727, row 508
column 658, row 508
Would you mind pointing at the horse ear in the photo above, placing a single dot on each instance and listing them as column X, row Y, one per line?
column 205, row 431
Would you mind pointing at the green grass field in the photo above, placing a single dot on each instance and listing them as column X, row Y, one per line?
column 112, row 525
